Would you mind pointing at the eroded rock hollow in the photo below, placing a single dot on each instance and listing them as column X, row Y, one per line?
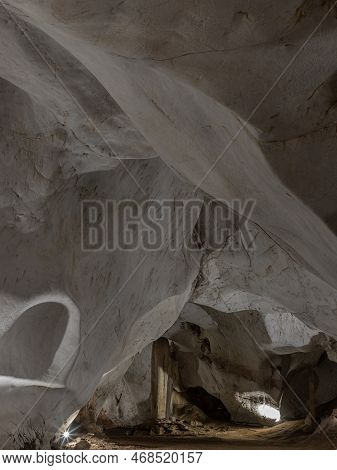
column 143, row 100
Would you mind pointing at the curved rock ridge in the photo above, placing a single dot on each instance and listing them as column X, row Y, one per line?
column 193, row 129
column 247, row 360
column 268, row 279
column 149, row 100
column 107, row 323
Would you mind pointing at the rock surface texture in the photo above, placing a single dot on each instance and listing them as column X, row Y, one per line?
column 144, row 99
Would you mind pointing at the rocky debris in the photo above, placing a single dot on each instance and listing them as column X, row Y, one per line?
column 108, row 113
column 328, row 425
column 83, row 444
column 287, row 435
column 218, row 383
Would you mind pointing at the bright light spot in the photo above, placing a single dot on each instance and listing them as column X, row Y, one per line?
column 66, row 434
column 269, row 412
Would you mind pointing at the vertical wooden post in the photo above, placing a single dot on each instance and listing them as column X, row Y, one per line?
column 161, row 381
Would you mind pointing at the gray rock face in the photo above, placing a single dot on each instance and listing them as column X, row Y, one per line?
column 141, row 100
column 126, row 402
column 240, row 359
column 58, row 338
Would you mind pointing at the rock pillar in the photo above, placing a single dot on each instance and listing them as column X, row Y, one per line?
column 161, row 381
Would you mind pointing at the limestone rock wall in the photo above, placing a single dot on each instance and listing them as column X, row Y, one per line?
column 145, row 99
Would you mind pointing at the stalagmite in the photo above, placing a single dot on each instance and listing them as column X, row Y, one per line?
column 146, row 100
column 161, row 382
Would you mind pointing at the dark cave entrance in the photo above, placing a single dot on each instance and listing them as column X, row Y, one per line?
column 209, row 404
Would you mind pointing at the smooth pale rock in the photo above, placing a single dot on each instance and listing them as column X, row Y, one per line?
column 270, row 280
column 247, row 360
column 95, row 97
column 49, row 278
column 161, row 380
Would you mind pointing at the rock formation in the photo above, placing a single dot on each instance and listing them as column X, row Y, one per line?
column 144, row 100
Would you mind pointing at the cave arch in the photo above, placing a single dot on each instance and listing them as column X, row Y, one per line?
column 28, row 348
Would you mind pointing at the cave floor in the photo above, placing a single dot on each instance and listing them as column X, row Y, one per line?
column 288, row 435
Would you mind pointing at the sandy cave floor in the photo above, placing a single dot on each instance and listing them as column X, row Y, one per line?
column 288, row 435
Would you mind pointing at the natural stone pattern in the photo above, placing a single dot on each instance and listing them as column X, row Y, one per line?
column 96, row 98
column 246, row 360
